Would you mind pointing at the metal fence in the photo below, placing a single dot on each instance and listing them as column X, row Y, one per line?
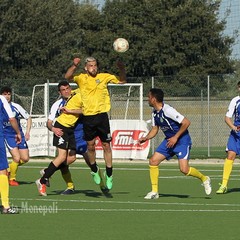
column 204, row 106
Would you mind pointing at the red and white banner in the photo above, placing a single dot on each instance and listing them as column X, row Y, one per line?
column 125, row 134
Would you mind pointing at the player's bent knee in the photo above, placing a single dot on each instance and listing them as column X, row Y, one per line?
column 153, row 162
column 184, row 170
column 70, row 160
column 25, row 160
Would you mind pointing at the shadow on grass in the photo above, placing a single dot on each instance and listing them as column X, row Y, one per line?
column 92, row 193
column 88, row 193
column 180, row 196
column 173, row 195
column 25, row 182
column 231, row 190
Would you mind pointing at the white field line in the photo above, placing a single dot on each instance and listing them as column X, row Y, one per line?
column 233, row 177
column 219, row 207
column 161, row 169
column 151, row 202
column 218, row 161
column 39, row 209
column 136, row 210
column 133, row 169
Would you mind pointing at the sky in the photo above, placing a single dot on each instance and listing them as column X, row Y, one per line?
column 233, row 21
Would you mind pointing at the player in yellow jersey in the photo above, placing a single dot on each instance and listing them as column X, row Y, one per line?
column 95, row 107
column 64, row 139
column 65, row 90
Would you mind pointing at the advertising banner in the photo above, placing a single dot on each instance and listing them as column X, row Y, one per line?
column 40, row 143
column 125, row 134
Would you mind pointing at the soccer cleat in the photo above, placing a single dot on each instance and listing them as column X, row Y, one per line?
column 68, row 191
column 47, row 180
column 13, row 182
column 41, row 188
column 9, row 211
column 102, row 186
column 104, row 189
column 152, row 195
column 109, row 181
column 207, row 186
column 222, row 189
column 96, row 177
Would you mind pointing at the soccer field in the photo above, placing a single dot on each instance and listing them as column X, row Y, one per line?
column 183, row 211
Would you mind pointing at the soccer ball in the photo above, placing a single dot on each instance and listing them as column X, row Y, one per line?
column 120, row 45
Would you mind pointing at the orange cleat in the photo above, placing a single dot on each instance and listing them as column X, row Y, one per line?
column 41, row 188
column 13, row 182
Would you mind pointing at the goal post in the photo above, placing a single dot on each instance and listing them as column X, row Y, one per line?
column 126, row 100
column 126, row 121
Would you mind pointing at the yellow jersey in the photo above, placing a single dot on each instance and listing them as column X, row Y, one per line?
column 73, row 102
column 94, row 92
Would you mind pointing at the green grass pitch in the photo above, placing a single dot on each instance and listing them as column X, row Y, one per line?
column 183, row 211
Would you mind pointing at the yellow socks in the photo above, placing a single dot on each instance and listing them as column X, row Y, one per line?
column 21, row 162
column 68, row 179
column 195, row 173
column 4, row 190
column 13, row 170
column 227, row 169
column 154, row 175
column 13, row 167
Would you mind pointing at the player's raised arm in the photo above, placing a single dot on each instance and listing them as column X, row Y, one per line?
column 70, row 72
column 122, row 72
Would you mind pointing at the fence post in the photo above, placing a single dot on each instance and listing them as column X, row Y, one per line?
column 153, row 139
column 208, row 132
column 153, row 82
column 202, row 121
column 46, row 110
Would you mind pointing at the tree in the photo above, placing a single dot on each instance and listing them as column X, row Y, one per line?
column 172, row 38
column 179, row 39
column 37, row 37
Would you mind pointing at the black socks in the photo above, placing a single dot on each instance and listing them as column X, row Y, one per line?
column 49, row 171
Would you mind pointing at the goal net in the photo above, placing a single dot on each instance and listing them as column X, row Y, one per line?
column 126, row 121
column 126, row 100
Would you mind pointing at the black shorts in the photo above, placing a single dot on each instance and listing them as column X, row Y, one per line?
column 97, row 126
column 67, row 140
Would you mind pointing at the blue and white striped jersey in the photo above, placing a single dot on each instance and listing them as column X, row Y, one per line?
column 169, row 121
column 55, row 109
column 19, row 112
column 5, row 112
column 234, row 110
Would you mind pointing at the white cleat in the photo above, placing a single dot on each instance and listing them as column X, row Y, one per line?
column 152, row 195
column 42, row 172
column 41, row 188
column 207, row 186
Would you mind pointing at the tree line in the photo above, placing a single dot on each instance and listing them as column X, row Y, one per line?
column 168, row 38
